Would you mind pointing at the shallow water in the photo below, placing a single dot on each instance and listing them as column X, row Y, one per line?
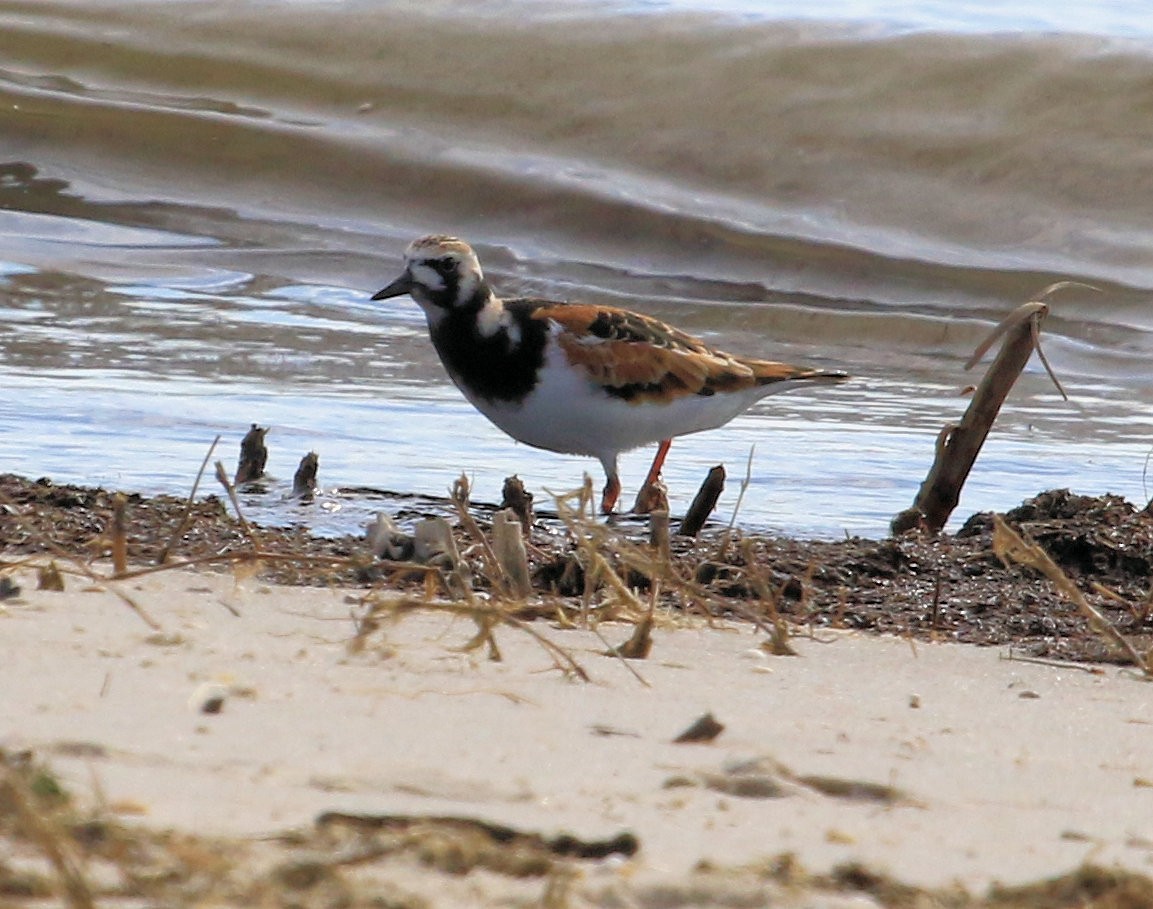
column 197, row 198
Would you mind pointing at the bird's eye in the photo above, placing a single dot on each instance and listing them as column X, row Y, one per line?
column 443, row 266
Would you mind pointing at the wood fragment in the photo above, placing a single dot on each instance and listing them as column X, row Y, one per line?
column 704, row 502
column 515, row 496
column 304, row 480
column 508, row 544
column 253, row 456
column 119, row 535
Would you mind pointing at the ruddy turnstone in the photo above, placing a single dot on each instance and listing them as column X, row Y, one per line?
column 577, row 378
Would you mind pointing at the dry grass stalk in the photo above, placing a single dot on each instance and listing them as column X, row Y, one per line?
column 778, row 630
column 230, row 489
column 14, row 793
column 659, row 534
column 1011, row 547
column 959, row 445
column 183, row 523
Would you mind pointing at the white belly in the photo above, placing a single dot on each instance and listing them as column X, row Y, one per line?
column 566, row 413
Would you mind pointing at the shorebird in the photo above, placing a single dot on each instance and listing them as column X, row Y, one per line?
column 578, row 378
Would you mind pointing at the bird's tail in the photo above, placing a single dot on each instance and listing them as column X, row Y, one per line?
column 768, row 373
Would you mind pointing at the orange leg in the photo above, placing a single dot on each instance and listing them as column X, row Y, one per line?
column 652, row 495
column 658, row 462
column 612, row 492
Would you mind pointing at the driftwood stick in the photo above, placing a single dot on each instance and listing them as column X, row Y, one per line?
column 958, row 446
column 119, row 533
column 704, row 502
column 304, row 481
column 253, row 456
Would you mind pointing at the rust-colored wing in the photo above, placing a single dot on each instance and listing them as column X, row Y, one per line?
column 639, row 358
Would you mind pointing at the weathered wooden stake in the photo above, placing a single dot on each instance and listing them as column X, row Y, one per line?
column 253, row 456
column 704, row 502
column 304, row 480
column 508, row 544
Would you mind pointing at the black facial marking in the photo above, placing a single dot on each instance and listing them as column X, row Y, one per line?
column 492, row 366
column 444, row 266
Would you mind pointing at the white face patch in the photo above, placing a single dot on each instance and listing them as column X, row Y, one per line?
column 425, row 276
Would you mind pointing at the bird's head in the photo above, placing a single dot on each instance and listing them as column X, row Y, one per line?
column 441, row 274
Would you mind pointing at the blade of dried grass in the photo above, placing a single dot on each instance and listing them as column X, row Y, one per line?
column 249, row 530
column 182, row 524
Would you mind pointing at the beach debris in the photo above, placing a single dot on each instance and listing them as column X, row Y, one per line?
column 855, row 790
column 433, row 544
column 119, row 533
column 659, row 533
column 513, row 495
column 640, row 643
column 9, row 589
column 755, row 778
column 764, row 777
column 704, row 729
column 208, row 698
column 387, row 541
column 508, row 545
column 959, row 444
column 457, row 845
column 48, row 577
column 704, row 502
column 1011, row 547
column 253, row 456
column 304, row 480
column 653, row 496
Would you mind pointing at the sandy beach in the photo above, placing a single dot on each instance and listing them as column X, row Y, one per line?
column 939, row 766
